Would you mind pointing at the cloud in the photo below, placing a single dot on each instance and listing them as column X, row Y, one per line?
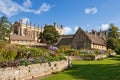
column 67, row 30
column 104, row 27
column 10, row 8
column 45, row 7
column 27, row 4
column 24, row 20
column 76, row 28
column 91, row 10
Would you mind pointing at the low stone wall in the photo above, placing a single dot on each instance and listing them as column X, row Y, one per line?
column 32, row 71
column 96, row 57
column 80, row 57
column 101, row 56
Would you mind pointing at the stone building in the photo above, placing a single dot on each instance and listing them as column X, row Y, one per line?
column 84, row 40
column 26, row 34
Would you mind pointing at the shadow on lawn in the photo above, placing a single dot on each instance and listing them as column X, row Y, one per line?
column 116, row 58
column 95, row 72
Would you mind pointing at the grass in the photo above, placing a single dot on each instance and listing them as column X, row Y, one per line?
column 107, row 69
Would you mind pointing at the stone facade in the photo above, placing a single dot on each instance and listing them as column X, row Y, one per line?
column 27, row 34
column 80, row 40
column 84, row 40
column 32, row 71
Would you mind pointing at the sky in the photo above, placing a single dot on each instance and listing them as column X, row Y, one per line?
column 87, row 14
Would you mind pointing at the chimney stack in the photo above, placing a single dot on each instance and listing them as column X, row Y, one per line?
column 94, row 33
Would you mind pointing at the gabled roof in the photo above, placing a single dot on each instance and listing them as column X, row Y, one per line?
column 71, row 35
column 64, row 39
column 95, row 39
column 20, row 38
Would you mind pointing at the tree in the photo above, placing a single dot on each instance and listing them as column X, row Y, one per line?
column 50, row 34
column 5, row 26
column 113, row 41
column 113, row 32
column 41, row 37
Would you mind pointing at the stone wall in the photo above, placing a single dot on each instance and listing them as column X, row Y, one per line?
column 96, row 57
column 32, row 71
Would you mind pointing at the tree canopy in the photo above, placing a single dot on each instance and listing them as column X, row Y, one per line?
column 50, row 34
column 5, row 26
column 113, row 41
column 113, row 32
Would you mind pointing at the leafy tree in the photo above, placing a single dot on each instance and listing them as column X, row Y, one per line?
column 50, row 34
column 41, row 37
column 113, row 32
column 5, row 26
column 113, row 41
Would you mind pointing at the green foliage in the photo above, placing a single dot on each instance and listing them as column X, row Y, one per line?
column 5, row 26
column 25, row 62
column 113, row 31
column 50, row 34
column 107, row 69
column 34, row 52
column 97, row 51
column 56, row 58
column 7, row 55
column 7, row 51
column 72, row 52
column 36, row 60
column 22, row 52
column 63, row 49
column 41, row 37
column 113, row 41
column 25, row 55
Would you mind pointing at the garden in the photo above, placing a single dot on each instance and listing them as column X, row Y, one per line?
column 106, row 69
column 85, row 54
column 12, row 55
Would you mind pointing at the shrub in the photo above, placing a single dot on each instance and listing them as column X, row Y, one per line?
column 7, row 55
column 2, row 44
column 34, row 52
column 9, row 64
column 71, row 52
column 88, row 56
column 22, row 52
column 97, row 51
column 63, row 49
column 36, row 60
column 25, row 62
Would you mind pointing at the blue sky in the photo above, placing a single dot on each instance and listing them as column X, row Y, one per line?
column 87, row 14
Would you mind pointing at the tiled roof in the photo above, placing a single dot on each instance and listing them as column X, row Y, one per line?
column 71, row 35
column 95, row 39
column 64, row 40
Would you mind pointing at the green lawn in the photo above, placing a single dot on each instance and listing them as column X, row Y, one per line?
column 107, row 69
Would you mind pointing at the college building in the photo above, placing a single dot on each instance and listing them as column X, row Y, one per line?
column 27, row 34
